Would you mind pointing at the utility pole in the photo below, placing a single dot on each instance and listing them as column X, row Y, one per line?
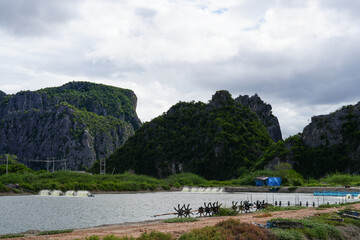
column 102, row 166
column 47, row 165
column 53, row 165
column 7, row 163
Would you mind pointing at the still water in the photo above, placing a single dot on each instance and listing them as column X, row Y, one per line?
column 23, row 213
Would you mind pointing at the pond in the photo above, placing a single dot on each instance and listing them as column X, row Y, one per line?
column 23, row 213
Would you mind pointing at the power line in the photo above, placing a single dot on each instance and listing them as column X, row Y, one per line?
column 48, row 161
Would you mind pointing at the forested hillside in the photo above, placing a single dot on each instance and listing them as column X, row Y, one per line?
column 218, row 140
column 76, row 123
column 329, row 144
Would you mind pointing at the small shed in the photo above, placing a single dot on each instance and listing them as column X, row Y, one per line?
column 261, row 181
column 268, row 181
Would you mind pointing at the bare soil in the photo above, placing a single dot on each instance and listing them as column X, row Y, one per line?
column 176, row 229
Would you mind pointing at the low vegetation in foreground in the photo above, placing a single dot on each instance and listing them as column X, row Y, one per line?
column 323, row 226
column 7, row 236
column 177, row 220
column 52, row 232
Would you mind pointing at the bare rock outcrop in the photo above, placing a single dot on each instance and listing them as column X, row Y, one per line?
column 334, row 128
column 264, row 112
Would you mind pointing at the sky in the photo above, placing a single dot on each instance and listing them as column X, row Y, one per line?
column 302, row 57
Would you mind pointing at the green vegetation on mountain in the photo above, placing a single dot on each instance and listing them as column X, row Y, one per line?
column 92, row 121
column 318, row 161
column 314, row 162
column 79, row 121
column 329, row 144
column 97, row 98
column 216, row 140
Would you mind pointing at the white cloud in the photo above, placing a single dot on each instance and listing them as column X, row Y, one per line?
column 302, row 57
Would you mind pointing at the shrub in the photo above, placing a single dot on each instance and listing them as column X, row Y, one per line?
column 112, row 237
column 11, row 236
column 155, row 236
column 177, row 220
column 206, row 233
column 93, row 237
column 227, row 212
column 314, row 228
column 341, row 179
column 289, row 234
column 229, row 229
column 276, row 208
column 28, row 187
column 3, row 188
column 51, row 232
column 186, row 179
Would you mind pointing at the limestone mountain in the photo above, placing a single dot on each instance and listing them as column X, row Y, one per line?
column 263, row 111
column 330, row 143
column 79, row 121
column 218, row 140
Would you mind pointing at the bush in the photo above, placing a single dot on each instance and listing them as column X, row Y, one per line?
column 7, row 236
column 230, row 229
column 289, row 234
column 28, row 187
column 51, row 232
column 155, row 236
column 93, row 237
column 341, row 179
column 314, row 228
column 112, row 237
column 3, row 188
column 185, row 179
column 227, row 212
column 177, row 220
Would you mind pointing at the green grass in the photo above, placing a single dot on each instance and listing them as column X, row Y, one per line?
column 11, row 236
column 226, row 212
column 341, row 179
column 51, row 232
column 319, row 227
column 68, row 180
column 229, row 229
column 180, row 220
column 323, row 206
column 276, row 208
column 145, row 236
column 34, row 181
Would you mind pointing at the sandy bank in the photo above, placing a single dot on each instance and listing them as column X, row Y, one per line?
column 176, row 229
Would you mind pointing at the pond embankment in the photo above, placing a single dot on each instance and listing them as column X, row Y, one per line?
column 292, row 189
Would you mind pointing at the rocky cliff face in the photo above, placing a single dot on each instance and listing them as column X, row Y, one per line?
column 330, row 143
column 80, row 122
column 263, row 111
column 339, row 127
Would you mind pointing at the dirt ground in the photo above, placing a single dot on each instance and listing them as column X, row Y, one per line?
column 176, row 229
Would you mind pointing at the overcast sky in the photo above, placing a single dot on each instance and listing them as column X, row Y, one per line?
column 302, row 57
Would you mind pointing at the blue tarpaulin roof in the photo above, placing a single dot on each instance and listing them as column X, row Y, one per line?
column 268, row 181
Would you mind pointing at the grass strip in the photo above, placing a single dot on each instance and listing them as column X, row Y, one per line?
column 11, row 236
column 51, row 232
column 180, row 220
column 277, row 209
